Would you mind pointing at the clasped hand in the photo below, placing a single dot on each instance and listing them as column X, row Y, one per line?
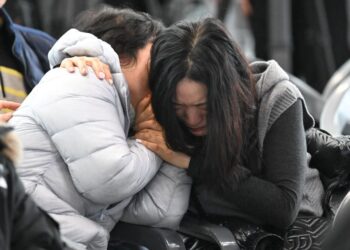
column 151, row 135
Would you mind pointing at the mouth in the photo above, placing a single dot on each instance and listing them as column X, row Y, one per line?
column 199, row 130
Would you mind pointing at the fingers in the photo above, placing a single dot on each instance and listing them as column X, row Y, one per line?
column 101, row 70
column 154, row 141
column 5, row 117
column 68, row 64
column 108, row 73
column 71, row 63
column 144, row 111
column 81, row 63
column 143, row 104
column 151, row 136
column 97, row 67
column 151, row 146
column 148, row 124
column 9, row 105
column 146, row 114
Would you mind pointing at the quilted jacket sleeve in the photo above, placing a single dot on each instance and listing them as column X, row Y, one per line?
column 165, row 199
column 168, row 194
column 85, row 120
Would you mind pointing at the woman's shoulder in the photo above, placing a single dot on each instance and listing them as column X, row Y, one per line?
column 282, row 95
column 286, row 92
column 279, row 99
column 272, row 82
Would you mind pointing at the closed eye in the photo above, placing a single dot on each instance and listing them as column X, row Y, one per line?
column 178, row 106
column 201, row 105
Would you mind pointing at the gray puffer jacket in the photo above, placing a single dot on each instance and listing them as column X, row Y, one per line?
column 78, row 163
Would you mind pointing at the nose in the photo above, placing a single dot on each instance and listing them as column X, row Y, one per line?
column 193, row 117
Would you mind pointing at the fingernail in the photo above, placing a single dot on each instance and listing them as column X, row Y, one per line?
column 101, row 75
column 71, row 69
column 110, row 81
column 138, row 140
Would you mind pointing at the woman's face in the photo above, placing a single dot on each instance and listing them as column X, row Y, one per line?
column 191, row 105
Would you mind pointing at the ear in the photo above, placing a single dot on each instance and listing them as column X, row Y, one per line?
column 10, row 145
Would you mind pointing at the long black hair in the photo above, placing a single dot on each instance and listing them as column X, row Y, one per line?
column 204, row 52
column 125, row 30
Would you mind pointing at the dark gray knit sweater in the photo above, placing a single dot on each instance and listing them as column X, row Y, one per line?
column 286, row 185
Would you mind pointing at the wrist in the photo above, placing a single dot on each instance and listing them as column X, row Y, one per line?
column 184, row 161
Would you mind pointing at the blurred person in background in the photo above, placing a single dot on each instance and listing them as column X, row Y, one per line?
column 23, row 60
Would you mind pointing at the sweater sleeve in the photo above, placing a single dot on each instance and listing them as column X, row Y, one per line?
column 274, row 197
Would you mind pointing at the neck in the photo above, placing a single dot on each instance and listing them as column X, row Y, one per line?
column 135, row 98
column 134, row 101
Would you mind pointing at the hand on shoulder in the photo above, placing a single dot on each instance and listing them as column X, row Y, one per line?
column 7, row 105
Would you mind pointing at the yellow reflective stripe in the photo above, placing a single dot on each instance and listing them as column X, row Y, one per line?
column 10, row 71
column 6, row 110
column 12, row 91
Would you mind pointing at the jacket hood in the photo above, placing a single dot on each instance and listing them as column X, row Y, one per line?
column 276, row 93
column 77, row 43
column 267, row 75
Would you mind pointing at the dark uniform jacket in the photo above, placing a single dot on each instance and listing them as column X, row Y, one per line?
column 30, row 48
column 23, row 225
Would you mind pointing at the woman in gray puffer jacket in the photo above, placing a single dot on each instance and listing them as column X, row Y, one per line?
column 79, row 164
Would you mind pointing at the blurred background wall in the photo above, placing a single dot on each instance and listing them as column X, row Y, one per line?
column 309, row 38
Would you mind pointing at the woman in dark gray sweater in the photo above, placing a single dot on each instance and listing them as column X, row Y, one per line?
column 241, row 127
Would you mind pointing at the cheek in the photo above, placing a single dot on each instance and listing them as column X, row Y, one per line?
column 180, row 114
column 144, row 76
column 203, row 115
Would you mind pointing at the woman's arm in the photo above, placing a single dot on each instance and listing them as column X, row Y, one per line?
column 274, row 198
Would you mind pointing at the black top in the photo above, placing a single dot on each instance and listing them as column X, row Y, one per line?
column 23, row 225
column 6, row 57
column 272, row 198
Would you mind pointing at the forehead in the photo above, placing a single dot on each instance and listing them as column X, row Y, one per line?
column 190, row 92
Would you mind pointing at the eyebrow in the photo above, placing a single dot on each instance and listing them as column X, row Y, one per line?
column 196, row 105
